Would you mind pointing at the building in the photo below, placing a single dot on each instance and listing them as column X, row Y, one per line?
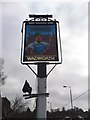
column 72, row 115
column 5, row 106
column 0, row 106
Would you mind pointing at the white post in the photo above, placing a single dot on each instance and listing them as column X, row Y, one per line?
column 41, row 100
column 71, row 98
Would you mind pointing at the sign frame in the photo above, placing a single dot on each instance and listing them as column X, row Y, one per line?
column 58, row 43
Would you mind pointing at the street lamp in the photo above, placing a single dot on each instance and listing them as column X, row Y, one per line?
column 70, row 96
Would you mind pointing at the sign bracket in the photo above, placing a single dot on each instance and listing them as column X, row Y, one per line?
column 32, row 70
column 46, row 74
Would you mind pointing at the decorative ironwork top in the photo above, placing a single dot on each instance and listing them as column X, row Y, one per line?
column 40, row 17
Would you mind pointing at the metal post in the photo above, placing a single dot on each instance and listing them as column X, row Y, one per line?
column 71, row 98
column 41, row 100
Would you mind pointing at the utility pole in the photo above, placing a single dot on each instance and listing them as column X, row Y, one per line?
column 71, row 98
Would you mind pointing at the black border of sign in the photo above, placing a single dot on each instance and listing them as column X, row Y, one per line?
column 48, row 61
column 56, row 42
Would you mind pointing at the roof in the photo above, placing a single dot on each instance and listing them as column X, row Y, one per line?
column 5, row 101
column 73, row 114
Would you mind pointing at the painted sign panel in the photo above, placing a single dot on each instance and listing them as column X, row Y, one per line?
column 40, row 42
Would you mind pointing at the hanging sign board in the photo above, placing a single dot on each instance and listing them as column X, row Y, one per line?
column 40, row 42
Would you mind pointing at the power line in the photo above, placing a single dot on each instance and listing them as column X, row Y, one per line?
column 81, row 95
column 77, row 97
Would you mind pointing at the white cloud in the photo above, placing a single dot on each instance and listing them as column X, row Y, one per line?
column 44, row 1
column 74, row 28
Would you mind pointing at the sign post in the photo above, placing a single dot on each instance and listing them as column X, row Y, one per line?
column 41, row 100
column 41, row 46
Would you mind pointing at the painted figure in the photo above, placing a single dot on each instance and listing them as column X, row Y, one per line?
column 38, row 46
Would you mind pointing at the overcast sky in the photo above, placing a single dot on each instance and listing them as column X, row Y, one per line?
column 73, row 19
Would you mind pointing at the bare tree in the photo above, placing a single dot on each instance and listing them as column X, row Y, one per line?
column 18, row 104
column 2, row 82
column 2, row 75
